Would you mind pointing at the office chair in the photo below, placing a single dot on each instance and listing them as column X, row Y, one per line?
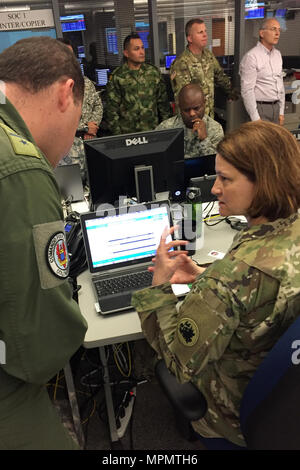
column 270, row 409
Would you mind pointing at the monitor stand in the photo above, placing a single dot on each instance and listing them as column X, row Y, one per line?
column 144, row 183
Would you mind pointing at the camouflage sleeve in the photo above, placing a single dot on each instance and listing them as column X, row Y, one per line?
column 113, row 102
column 97, row 109
column 215, row 134
column 196, row 332
column 166, row 124
column 162, row 126
column 179, row 75
column 92, row 109
column 150, row 304
column 221, row 79
column 163, row 104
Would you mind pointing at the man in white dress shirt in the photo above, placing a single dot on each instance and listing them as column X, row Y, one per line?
column 262, row 86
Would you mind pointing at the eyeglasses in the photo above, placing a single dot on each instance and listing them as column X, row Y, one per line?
column 274, row 29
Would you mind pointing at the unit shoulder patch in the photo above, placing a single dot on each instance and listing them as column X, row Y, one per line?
column 57, row 255
column 20, row 145
column 188, row 332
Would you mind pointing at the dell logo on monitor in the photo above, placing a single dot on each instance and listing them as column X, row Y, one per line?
column 136, row 141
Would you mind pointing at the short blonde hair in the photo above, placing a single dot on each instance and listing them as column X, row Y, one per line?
column 269, row 156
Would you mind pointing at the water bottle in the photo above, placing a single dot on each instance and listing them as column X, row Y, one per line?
column 192, row 222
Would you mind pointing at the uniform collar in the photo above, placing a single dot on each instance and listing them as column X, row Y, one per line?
column 142, row 67
column 195, row 56
column 264, row 230
column 10, row 116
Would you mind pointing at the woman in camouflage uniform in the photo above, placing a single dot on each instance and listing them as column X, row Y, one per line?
column 240, row 305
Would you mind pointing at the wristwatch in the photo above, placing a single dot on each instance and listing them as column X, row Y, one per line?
column 80, row 132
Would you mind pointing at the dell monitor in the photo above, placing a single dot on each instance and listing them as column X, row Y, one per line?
column 124, row 165
column 199, row 166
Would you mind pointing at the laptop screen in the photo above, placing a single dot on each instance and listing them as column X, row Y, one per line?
column 121, row 239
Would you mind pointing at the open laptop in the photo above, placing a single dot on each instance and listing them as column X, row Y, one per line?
column 69, row 180
column 120, row 244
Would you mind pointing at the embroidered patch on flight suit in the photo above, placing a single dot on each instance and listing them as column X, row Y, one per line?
column 57, row 255
column 51, row 253
column 188, row 332
column 20, row 145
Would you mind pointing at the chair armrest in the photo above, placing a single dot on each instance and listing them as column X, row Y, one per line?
column 185, row 398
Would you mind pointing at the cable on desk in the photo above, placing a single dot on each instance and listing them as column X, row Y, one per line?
column 236, row 224
column 216, row 223
column 206, row 208
column 208, row 217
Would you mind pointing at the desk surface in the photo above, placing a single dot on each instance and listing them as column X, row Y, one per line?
column 105, row 329
column 122, row 327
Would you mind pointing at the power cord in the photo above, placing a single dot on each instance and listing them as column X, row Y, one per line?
column 236, row 224
column 209, row 217
column 213, row 217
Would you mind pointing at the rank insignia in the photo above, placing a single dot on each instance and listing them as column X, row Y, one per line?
column 188, row 332
column 57, row 255
column 20, row 145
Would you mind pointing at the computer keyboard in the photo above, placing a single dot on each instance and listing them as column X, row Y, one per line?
column 127, row 282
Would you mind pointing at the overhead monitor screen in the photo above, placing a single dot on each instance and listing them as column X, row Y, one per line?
column 72, row 23
column 254, row 10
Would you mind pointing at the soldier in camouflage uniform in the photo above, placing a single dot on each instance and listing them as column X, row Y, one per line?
column 240, row 305
column 92, row 112
column 201, row 133
column 136, row 93
column 198, row 65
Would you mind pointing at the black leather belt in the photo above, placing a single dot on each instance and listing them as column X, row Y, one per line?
column 267, row 102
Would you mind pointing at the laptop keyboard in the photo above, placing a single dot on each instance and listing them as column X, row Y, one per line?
column 127, row 282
